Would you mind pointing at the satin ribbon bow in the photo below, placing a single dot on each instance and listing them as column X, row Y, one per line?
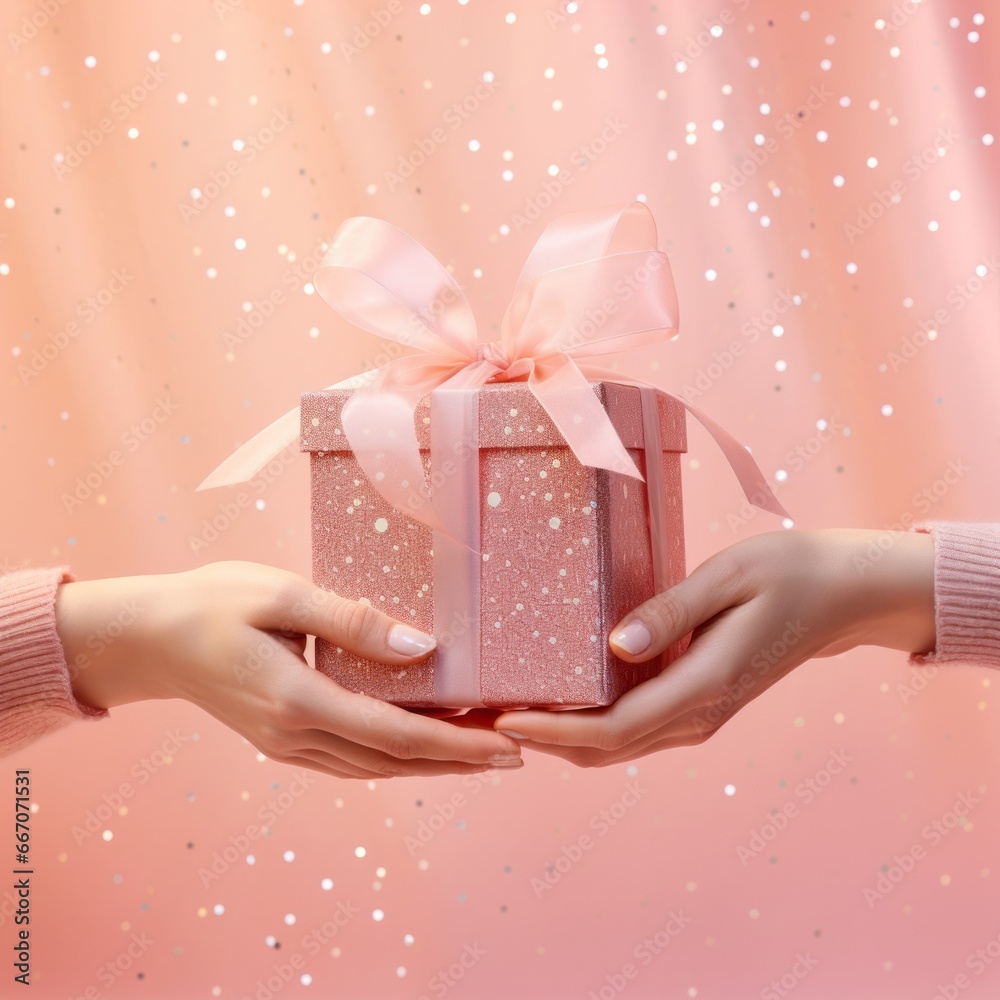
column 594, row 284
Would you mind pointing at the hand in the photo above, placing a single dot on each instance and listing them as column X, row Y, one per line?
column 230, row 637
column 757, row 610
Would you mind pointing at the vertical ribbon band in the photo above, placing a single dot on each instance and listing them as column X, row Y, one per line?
column 457, row 554
column 457, row 560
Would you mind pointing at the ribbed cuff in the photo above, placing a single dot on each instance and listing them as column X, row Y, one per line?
column 966, row 593
column 36, row 696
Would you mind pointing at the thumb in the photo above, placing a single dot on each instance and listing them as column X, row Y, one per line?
column 356, row 626
column 672, row 614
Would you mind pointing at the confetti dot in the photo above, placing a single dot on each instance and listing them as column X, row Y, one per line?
column 887, row 410
column 381, row 524
column 220, row 55
column 378, row 916
column 289, row 919
column 90, row 62
column 359, row 852
column 729, row 790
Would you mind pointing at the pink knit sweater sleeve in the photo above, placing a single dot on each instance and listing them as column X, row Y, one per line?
column 966, row 592
column 36, row 696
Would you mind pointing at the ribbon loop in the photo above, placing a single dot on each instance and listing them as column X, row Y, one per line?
column 594, row 284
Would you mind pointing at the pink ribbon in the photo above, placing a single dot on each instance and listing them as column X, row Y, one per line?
column 594, row 284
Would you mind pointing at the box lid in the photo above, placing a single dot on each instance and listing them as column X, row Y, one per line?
column 509, row 417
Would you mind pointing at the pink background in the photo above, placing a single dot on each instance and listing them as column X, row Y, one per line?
column 900, row 409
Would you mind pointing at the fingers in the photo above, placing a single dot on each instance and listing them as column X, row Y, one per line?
column 691, row 683
column 373, row 725
column 672, row 614
column 356, row 626
column 320, row 760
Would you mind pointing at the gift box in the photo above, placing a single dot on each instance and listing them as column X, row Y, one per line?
column 511, row 498
column 565, row 552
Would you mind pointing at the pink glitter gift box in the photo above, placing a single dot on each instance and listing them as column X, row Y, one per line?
column 542, row 501
column 565, row 551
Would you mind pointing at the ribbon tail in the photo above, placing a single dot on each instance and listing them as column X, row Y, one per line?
column 748, row 473
column 570, row 401
column 244, row 463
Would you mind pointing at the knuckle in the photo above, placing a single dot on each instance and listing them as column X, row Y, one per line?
column 612, row 740
column 668, row 613
column 287, row 716
column 399, row 745
column 355, row 622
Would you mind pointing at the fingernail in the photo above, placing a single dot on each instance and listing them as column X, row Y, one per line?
column 506, row 762
column 634, row 638
column 512, row 734
column 410, row 641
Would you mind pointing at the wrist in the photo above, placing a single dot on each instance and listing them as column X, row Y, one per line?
column 894, row 576
column 102, row 625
